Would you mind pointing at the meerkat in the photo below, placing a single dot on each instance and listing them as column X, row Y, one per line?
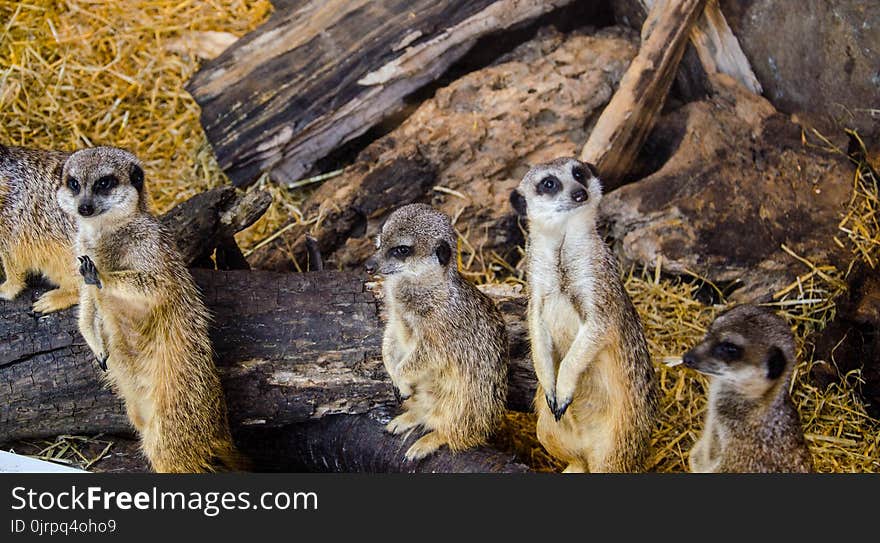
column 35, row 235
column 751, row 423
column 142, row 315
column 445, row 344
column 597, row 394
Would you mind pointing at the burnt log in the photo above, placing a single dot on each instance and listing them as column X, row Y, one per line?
column 320, row 73
column 209, row 220
column 291, row 349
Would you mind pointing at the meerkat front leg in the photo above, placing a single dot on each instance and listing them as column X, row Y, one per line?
column 89, row 318
column 586, row 346
column 90, row 328
column 542, row 357
column 392, row 355
column 406, row 369
column 15, row 278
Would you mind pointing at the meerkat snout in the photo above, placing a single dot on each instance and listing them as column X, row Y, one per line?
column 412, row 243
column 556, row 188
column 101, row 180
column 748, row 347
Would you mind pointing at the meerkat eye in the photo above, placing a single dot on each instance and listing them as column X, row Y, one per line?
column 548, row 185
column 727, row 351
column 401, row 251
column 73, row 184
column 579, row 174
column 105, row 183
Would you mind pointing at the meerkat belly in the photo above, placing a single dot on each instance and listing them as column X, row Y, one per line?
column 563, row 321
column 594, row 400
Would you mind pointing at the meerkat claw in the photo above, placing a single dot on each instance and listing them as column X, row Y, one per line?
column 89, row 272
column 102, row 361
column 551, row 402
column 560, row 410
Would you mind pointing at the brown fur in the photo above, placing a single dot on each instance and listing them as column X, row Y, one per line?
column 588, row 346
column 35, row 235
column 149, row 317
column 445, row 344
column 751, row 423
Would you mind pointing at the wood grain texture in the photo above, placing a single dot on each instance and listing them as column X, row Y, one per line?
column 321, row 72
column 626, row 121
column 718, row 48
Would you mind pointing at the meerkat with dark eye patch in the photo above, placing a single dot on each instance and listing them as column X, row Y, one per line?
column 143, row 316
column 35, row 235
column 597, row 396
column 751, row 423
column 445, row 344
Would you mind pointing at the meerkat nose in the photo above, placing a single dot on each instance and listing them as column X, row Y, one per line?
column 370, row 266
column 580, row 195
column 86, row 210
column 689, row 359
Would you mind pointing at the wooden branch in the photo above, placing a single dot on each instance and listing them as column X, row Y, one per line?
column 717, row 47
column 629, row 117
column 321, row 72
column 210, row 219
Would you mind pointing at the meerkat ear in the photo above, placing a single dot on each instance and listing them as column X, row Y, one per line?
column 518, row 201
column 443, row 252
column 775, row 363
column 592, row 169
column 136, row 177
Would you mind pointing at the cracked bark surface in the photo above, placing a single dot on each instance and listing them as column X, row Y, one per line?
column 292, row 349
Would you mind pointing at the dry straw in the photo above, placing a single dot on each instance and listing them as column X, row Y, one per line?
column 83, row 72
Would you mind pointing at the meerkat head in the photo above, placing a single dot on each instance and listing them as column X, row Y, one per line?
column 748, row 347
column 416, row 241
column 552, row 192
column 101, row 183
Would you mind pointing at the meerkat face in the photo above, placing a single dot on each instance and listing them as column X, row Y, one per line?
column 101, row 183
column 416, row 240
column 552, row 192
column 747, row 346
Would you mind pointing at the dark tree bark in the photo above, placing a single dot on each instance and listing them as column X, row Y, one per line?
column 321, row 72
column 291, row 349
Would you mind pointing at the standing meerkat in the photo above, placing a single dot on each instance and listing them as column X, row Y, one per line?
column 751, row 423
column 597, row 395
column 142, row 315
column 35, row 235
column 445, row 344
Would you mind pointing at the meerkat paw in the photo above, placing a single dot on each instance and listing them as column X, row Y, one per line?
column 402, row 423
column 563, row 399
column 561, row 408
column 56, row 300
column 88, row 271
column 9, row 290
column 426, row 445
column 405, row 390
